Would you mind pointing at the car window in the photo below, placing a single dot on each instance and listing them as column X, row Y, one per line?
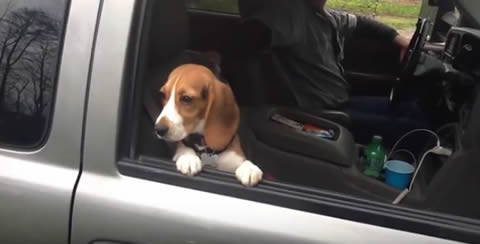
column 400, row 14
column 227, row 6
column 30, row 39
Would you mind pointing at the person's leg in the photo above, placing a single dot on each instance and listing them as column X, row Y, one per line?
column 373, row 116
column 371, row 105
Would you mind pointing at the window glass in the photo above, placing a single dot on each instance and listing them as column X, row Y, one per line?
column 228, row 6
column 400, row 14
column 30, row 37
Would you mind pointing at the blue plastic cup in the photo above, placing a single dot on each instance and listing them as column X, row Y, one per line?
column 398, row 173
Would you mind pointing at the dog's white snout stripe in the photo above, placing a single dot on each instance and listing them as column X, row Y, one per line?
column 176, row 131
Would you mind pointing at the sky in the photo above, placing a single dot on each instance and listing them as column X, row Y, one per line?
column 55, row 8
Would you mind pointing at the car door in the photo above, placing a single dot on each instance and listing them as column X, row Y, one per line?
column 45, row 53
column 114, row 207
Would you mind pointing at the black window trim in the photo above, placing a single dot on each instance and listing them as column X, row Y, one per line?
column 296, row 197
column 214, row 11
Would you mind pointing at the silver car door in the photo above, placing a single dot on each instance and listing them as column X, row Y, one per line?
column 113, row 208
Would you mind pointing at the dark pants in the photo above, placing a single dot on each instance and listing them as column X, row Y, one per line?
column 373, row 116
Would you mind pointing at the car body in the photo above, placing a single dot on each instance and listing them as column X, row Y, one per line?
column 70, row 189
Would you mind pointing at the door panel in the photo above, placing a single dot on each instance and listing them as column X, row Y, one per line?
column 36, row 186
column 119, row 208
column 139, row 211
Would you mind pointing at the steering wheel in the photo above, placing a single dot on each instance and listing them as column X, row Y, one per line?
column 411, row 60
column 414, row 52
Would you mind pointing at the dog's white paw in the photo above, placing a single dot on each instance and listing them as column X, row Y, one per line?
column 189, row 164
column 248, row 173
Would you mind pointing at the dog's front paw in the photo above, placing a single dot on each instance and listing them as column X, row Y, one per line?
column 248, row 173
column 189, row 164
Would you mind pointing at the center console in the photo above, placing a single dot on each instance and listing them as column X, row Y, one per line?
column 300, row 133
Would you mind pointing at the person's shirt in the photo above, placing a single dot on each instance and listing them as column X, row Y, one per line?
column 308, row 47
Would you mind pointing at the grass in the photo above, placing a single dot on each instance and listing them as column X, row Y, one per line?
column 398, row 14
column 398, row 23
column 384, row 7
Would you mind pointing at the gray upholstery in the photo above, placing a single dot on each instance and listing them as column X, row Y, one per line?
column 169, row 33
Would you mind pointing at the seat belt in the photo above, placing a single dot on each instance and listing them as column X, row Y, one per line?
column 153, row 108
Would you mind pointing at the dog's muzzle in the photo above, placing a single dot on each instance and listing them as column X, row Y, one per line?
column 161, row 130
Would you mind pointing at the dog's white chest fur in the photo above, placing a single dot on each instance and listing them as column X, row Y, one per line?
column 209, row 159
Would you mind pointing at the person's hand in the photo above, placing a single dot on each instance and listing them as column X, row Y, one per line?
column 402, row 42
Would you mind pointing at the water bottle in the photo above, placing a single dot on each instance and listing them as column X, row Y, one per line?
column 374, row 157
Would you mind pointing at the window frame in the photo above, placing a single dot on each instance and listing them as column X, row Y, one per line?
column 213, row 10
column 308, row 199
column 45, row 135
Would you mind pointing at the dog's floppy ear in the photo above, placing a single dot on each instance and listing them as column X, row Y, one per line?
column 222, row 116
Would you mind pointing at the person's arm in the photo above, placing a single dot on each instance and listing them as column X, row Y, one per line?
column 369, row 28
column 373, row 29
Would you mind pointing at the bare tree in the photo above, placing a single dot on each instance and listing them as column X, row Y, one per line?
column 40, row 76
column 19, row 88
column 8, row 7
column 24, row 29
column 38, row 69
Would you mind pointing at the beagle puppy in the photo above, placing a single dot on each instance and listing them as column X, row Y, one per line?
column 201, row 115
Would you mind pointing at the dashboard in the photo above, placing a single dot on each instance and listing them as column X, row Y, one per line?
column 462, row 51
column 461, row 58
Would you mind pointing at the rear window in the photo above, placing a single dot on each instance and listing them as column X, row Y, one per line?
column 31, row 32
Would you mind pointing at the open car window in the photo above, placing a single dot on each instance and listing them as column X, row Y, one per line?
column 311, row 161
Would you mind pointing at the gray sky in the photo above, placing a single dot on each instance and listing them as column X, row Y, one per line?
column 55, row 8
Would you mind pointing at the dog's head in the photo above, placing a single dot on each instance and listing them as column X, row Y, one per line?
column 195, row 101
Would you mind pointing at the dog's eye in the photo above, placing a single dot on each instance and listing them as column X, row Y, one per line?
column 186, row 99
column 161, row 95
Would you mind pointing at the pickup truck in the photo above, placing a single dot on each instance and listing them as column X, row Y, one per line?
column 79, row 162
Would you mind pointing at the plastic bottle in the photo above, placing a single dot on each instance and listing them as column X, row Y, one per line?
column 374, row 157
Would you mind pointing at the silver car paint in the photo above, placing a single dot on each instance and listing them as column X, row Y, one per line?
column 36, row 186
column 111, row 206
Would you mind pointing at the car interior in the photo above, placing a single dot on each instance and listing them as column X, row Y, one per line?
column 446, row 80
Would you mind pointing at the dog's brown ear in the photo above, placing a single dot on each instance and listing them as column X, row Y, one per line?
column 222, row 116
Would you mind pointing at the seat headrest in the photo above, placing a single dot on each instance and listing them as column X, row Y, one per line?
column 168, row 29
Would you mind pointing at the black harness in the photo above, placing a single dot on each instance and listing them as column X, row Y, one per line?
column 197, row 143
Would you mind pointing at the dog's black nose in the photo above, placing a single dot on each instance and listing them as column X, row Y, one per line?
column 161, row 129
